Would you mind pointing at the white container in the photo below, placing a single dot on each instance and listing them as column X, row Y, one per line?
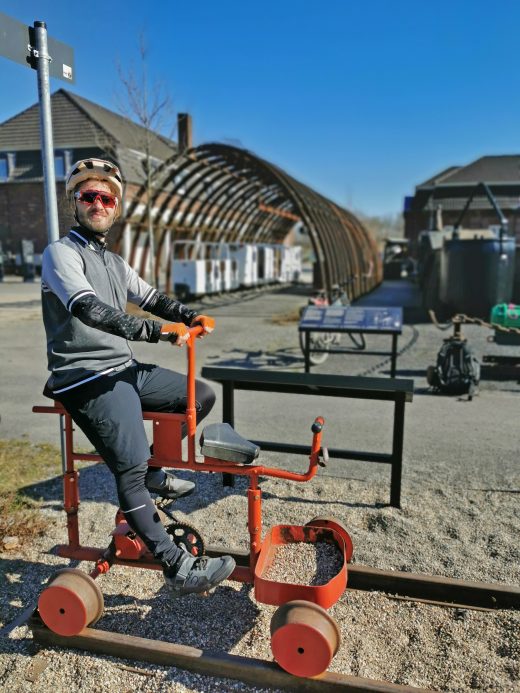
column 188, row 269
column 265, row 264
column 296, row 263
column 246, row 257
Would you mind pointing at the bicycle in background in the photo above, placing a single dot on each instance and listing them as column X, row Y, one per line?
column 324, row 341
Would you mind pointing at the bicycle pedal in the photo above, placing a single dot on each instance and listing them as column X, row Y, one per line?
column 165, row 505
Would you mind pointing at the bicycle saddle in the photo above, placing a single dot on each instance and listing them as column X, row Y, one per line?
column 222, row 442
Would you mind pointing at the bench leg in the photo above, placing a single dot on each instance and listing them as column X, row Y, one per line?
column 228, row 416
column 397, row 453
column 394, row 356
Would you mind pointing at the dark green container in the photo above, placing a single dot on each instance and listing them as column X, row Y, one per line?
column 476, row 274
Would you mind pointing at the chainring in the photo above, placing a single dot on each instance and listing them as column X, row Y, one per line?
column 186, row 537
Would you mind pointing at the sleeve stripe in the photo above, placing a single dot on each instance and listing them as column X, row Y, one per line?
column 78, row 295
column 147, row 297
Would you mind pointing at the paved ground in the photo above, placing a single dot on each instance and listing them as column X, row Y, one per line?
column 246, row 336
column 459, row 515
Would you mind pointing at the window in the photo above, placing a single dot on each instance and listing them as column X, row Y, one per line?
column 59, row 165
column 7, row 165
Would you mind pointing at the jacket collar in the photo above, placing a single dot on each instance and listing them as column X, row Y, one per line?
column 87, row 237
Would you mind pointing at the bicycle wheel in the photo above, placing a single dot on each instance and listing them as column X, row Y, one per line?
column 316, row 342
column 361, row 344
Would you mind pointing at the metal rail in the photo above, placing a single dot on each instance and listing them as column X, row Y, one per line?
column 431, row 589
column 427, row 589
column 214, row 664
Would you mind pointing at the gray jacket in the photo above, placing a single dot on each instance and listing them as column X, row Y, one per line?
column 72, row 268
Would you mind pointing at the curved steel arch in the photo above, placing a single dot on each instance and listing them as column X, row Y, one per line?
column 242, row 198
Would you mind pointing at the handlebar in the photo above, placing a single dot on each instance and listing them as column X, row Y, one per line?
column 195, row 331
column 219, row 465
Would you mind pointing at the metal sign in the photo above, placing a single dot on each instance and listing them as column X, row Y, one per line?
column 352, row 319
column 18, row 43
column 27, row 251
column 31, row 46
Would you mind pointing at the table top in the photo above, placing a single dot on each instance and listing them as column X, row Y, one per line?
column 382, row 320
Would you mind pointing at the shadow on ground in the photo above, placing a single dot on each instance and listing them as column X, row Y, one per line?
column 97, row 484
column 288, row 358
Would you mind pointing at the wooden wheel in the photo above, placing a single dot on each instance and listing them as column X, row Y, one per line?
column 338, row 526
column 71, row 601
column 304, row 638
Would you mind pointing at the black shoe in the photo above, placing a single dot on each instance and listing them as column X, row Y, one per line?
column 191, row 575
column 171, row 487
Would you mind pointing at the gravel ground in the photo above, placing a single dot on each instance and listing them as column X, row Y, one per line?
column 459, row 518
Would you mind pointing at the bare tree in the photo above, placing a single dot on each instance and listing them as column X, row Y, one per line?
column 151, row 106
column 382, row 226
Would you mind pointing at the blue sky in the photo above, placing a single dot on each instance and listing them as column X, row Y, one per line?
column 360, row 100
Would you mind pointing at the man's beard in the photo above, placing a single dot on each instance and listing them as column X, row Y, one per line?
column 92, row 225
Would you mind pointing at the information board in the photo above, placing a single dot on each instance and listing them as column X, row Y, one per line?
column 352, row 319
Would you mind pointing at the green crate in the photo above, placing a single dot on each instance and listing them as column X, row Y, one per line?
column 506, row 314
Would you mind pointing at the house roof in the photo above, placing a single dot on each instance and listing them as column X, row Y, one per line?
column 439, row 177
column 501, row 169
column 121, row 129
column 71, row 127
column 80, row 124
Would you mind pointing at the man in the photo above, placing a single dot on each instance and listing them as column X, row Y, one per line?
column 85, row 289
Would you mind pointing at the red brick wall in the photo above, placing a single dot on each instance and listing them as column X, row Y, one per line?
column 22, row 215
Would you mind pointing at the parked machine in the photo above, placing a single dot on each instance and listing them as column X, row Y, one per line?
column 397, row 262
column 246, row 257
column 266, row 266
column 287, row 263
column 202, row 268
column 467, row 270
column 229, row 276
column 295, row 255
column 304, row 637
column 188, row 270
column 195, row 273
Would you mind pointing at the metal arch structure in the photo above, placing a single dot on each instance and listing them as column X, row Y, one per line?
column 223, row 194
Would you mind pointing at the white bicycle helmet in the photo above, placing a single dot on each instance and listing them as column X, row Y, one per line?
column 98, row 169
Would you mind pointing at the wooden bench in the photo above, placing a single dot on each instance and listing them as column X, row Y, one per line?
column 398, row 390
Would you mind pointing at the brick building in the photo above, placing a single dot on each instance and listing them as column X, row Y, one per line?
column 81, row 129
column 442, row 198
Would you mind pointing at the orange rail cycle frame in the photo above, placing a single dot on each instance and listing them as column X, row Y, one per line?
column 168, row 452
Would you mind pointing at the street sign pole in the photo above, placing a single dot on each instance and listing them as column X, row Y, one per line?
column 29, row 46
column 42, row 58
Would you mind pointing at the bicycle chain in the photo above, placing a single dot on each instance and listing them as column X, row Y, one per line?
column 462, row 318
column 183, row 534
column 482, row 323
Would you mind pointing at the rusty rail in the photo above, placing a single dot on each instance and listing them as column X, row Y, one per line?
column 431, row 589
column 214, row 664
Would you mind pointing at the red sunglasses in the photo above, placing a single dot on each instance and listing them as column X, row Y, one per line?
column 88, row 197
